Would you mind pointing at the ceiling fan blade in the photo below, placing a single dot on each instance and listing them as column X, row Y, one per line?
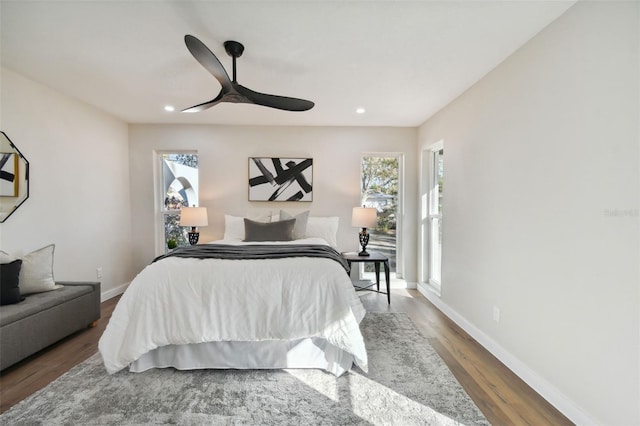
column 208, row 60
column 273, row 101
column 205, row 105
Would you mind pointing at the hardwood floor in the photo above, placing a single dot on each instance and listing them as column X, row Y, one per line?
column 501, row 395
column 21, row 380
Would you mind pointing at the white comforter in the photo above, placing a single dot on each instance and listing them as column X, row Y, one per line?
column 181, row 301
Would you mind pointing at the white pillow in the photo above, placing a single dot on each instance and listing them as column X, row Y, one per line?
column 259, row 215
column 325, row 228
column 233, row 227
column 300, row 228
column 36, row 274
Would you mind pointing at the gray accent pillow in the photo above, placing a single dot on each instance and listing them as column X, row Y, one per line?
column 270, row 231
column 300, row 228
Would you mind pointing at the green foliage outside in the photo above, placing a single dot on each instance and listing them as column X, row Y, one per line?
column 190, row 160
column 173, row 230
column 379, row 188
column 380, row 176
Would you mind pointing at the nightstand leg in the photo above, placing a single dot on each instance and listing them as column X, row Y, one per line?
column 377, row 266
column 387, row 278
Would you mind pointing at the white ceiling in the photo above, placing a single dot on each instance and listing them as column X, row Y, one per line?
column 401, row 60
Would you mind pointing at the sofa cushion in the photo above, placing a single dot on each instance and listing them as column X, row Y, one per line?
column 37, row 302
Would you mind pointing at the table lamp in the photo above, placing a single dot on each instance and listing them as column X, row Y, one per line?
column 364, row 217
column 193, row 217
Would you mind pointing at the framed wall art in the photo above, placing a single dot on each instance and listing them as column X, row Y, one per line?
column 280, row 179
column 9, row 174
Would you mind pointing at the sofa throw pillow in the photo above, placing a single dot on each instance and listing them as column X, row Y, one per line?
column 36, row 274
column 272, row 231
column 9, row 283
column 300, row 228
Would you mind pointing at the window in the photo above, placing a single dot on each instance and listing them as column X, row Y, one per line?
column 433, row 163
column 381, row 187
column 179, row 188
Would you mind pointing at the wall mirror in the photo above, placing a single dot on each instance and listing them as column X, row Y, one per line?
column 14, row 177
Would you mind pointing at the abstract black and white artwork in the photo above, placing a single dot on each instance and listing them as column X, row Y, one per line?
column 280, row 179
column 8, row 174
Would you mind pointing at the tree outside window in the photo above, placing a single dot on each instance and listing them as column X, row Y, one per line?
column 379, row 189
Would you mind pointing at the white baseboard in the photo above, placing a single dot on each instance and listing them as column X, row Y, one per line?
column 106, row 295
column 396, row 282
column 401, row 284
column 549, row 392
column 411, row 284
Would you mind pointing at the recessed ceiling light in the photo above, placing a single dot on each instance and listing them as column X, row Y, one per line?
column 169, row 108
column 360, row 110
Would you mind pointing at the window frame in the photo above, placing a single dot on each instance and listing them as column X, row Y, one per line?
column 432, row 217
column 161, row 212
column 398, row 273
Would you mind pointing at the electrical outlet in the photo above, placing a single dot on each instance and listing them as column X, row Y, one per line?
column 496, row 314
column 99, row 272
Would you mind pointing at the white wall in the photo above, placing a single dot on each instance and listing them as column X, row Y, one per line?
column 223, row 164
column 541, row 211
column 79, row 190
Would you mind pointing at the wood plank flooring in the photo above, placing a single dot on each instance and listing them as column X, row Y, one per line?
column 501, row 395
column 32, row 374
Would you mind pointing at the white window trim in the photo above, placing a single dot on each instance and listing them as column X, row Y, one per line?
column 427, row 202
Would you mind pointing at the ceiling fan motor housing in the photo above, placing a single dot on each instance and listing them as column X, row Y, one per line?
column 233, row 48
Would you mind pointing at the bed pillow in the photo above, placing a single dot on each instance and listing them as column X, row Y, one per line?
column 272, row 231
column 259, row 215
column 325, row 228
column 9, row 283
column 233, row 227
column 300, row 228
column 36, row 273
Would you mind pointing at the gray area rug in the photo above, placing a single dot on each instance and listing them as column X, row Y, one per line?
column 407, row 384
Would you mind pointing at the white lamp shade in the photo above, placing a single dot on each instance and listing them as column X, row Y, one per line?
column 364, row 217
column 193, row 216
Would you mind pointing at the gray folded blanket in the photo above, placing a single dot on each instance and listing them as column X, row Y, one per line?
column 256, row 251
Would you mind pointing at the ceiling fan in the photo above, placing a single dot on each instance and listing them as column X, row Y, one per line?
column 232, row 91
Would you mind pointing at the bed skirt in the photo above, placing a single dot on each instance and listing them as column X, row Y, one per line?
column 311, row 352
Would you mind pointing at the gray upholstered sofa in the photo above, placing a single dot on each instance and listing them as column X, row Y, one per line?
column 44, row 318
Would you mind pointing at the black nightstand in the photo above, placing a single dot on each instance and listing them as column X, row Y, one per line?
column 375, row 258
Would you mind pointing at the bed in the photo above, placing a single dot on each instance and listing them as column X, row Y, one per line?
column 282, row 306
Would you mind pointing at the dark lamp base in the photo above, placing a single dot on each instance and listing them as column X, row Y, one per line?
column 193, row 238
column 364, row 240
